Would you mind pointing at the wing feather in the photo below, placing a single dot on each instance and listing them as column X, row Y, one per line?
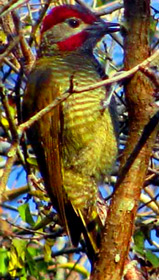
column 45, row 134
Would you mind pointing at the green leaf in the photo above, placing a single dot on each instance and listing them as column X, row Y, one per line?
column 41, row 223
column 152, row 258
column 3, row 261
column 139, row 239
column 17, row 257
column 32, row 161
column 3, row 37
column 25, row 214
column 33, row 250
column 13, row 261
column 32, row 267
column 47, row 249
column 23, row 277
column 4, row 122
column 103, row 2
column 20, row 246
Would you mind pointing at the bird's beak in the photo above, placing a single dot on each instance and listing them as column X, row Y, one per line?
column 110, row 27
column 102, row 27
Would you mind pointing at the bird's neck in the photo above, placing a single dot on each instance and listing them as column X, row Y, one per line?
column 74, row 57
column 50, row 47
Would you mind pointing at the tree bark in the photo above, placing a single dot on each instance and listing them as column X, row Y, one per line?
column 142, row 133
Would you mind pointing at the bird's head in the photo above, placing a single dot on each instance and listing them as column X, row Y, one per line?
column 69, row 28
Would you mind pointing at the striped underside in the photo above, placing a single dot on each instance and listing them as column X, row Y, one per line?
column 89, row 145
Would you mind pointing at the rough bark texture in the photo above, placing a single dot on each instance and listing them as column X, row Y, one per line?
column 139, row 93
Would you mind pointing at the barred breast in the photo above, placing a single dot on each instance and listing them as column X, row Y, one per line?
column 89, row 145
column 89, row 140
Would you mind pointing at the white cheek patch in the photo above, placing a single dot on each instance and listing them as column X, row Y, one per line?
column 62, row 31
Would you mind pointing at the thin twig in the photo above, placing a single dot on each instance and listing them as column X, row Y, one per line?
column 36, row 25
column 43, row 112
column 58, row 100
column 13, row 4
column 108, row 8
column 10, row 64
column 9, row 49
column 120, row 77
column 12, row 154
column 9, row 116
column 12, row 194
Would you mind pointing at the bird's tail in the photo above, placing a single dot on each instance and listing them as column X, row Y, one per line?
column 92, row 222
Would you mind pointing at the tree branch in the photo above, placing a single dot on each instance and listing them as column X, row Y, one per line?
column 139, row 93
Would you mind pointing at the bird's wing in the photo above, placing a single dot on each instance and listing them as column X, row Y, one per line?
column 45, row 134
column 45, row 138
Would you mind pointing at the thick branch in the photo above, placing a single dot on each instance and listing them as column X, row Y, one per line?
column 139, row 94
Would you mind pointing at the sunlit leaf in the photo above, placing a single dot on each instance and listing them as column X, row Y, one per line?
column 13, row 261
column 31, row 264
column 139, row 239
column 32, row 161
column 152, row 258
column 17, row 256
column 20, row 246
column 4, row 122
column 25, row 214
column 3, row 261
column 47, row 249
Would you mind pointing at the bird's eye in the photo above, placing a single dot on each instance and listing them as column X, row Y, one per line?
column 74, row 23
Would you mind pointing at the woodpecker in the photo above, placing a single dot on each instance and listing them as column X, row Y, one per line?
column 76, row 143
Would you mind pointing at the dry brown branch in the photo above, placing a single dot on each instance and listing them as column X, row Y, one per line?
column 9, row 49
column 108, row 8
column 12, row 5
column 38, row 22
column 12, row 194
column 142, row 134
column 12, row 155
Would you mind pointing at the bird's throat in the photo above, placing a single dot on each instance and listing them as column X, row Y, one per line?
column 74, row 42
